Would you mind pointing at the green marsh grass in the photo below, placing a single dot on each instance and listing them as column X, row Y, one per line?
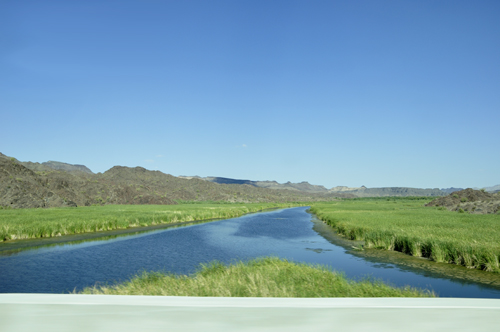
column 264, row 277
column 405, row 225
column 40, row 223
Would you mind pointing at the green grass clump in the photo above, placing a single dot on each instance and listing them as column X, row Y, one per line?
column 471, row 240
column 265, row 277
column 38, row 223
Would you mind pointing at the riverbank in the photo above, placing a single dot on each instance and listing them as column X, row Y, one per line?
column 264, row 277
column 405, row 225
column 408, row 263
column 16, row 224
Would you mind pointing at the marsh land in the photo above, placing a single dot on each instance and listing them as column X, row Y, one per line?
column 406, row 225
column 395, row 224
column 18, row 224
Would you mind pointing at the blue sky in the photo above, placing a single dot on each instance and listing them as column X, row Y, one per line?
column 374, row 93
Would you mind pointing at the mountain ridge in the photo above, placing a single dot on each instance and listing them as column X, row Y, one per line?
column 22, row 187
column 51, row 184
column 357, row 191
column 302, row 186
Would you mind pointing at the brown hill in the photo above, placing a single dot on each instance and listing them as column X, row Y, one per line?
column 21, row 187
column 469, row 200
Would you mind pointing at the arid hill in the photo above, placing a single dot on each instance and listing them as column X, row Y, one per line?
column 469, row 200
column 21, row 187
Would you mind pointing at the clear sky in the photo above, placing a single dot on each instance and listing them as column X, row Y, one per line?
column 375, row 93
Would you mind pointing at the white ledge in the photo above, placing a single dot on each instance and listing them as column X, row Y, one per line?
column 78, row 312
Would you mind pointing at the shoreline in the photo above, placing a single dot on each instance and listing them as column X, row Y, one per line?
column 33, row 243
column 405, row 261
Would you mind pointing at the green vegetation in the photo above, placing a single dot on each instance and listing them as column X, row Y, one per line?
column 405, row 225
column 266, row 277
column 37, row 223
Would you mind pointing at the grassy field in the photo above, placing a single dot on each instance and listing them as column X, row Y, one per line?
column 471, row 240
column 38, row 223
column 267, row 277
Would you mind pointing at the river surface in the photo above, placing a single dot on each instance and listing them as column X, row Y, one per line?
column 292, row 233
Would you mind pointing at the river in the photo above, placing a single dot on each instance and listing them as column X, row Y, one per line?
column 292, row 233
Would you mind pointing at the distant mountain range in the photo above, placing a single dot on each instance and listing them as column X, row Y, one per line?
column 451, row 190
column 302, row 186
column 356, row 191
column 493, row 189
column 53, row 183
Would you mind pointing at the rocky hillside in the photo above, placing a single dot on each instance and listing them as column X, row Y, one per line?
column 22, row 187
column 469, row 200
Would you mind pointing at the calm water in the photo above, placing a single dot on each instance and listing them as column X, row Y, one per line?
column 285, row 233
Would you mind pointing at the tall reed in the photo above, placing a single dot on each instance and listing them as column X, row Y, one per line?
column 470, row 240
column 39, row 223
